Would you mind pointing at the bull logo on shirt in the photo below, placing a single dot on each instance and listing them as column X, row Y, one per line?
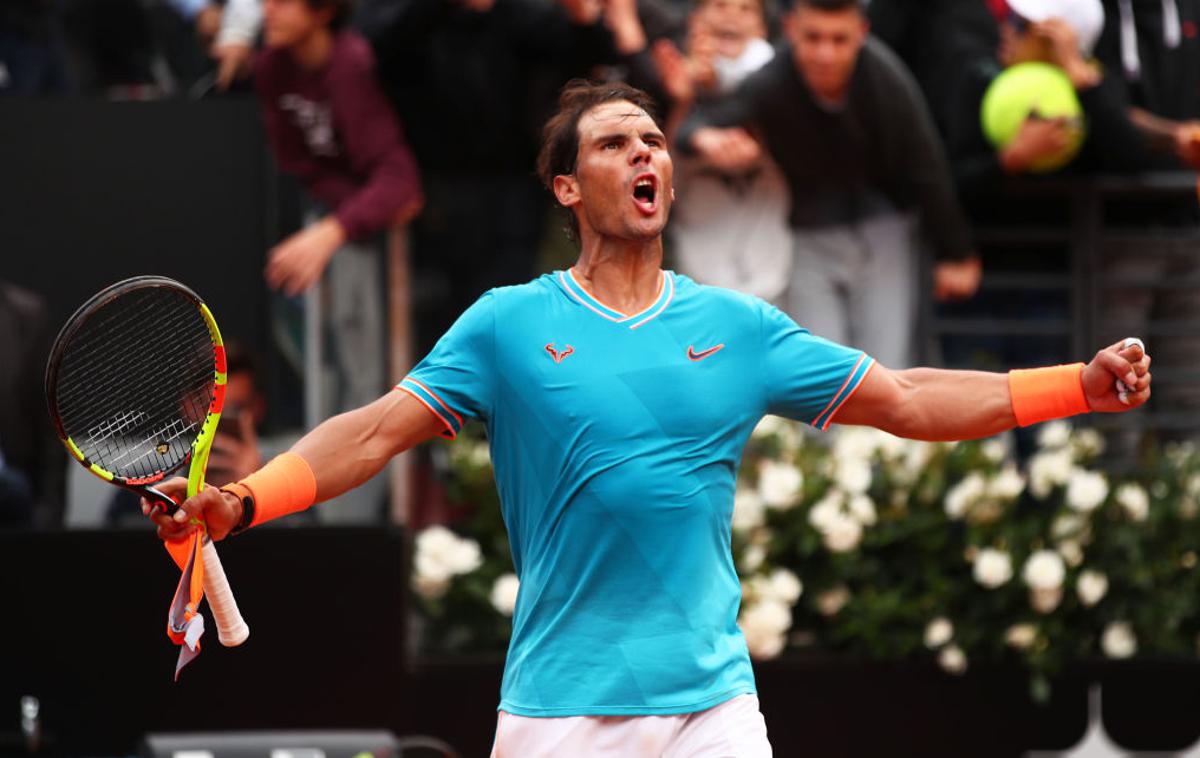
column 558, row 356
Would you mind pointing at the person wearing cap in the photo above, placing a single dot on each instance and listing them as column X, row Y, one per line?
column 1063, row 33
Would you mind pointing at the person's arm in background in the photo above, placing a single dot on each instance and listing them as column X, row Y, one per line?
column 1167, row 135
column 369, row 132
column 233, row 48
column 926, row 172
column 717, row 132
column 940, row 405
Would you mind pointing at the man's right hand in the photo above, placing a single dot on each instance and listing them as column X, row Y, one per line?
column 732, row 151
column 220, row 511
column 1038, row 138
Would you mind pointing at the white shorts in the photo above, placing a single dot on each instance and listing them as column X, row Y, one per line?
column 733, row 729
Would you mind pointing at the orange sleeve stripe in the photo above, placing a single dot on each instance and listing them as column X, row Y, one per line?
column 449, row 433
column 849, row 395
column 441, row 402
column 841, row 389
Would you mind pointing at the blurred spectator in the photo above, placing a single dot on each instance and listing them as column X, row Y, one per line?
column 32, row 55
column 849, row 128
column 32, row 460
column 1155, row 47
column 727, row 228
column 227, row 30
column 331, row 127
column 1061, row 33
column 474, row 81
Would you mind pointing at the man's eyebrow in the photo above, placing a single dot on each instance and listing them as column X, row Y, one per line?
column 609, row 137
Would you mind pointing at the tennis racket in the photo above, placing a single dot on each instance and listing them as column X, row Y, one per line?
column 135, row 384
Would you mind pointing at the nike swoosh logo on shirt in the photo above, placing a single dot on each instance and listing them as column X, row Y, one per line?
column 692, row 354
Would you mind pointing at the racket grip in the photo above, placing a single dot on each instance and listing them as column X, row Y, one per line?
column 232, row 630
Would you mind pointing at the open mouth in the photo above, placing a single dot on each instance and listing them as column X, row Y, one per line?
column 645, row 193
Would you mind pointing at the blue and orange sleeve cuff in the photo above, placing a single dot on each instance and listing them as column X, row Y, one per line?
column 438, row 407
column 853, row 381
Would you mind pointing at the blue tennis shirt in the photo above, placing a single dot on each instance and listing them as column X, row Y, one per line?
column 616, row 441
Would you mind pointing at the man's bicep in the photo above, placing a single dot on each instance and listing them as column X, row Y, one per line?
column 878, row 397
column 408, row 420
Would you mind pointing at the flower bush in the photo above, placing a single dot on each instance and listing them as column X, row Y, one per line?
column 864, row 544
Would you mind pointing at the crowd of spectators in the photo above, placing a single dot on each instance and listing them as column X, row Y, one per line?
column 822, row 147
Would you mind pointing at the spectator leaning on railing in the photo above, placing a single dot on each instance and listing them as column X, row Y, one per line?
column 727, row 228
column 847, row 125
column 331, row 126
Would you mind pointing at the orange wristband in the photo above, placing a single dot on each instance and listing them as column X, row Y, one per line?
column 1041, row 394
column 285, row 485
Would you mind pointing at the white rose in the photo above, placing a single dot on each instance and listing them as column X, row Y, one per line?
column 994, row 449
column 825, row 510
column 862, row 507
column 916, row 458
column 766, row 614
column 1091, row 587
column 842, row 534
column 831, row 601
column 1048, row 470
column 1193, row 485
column 993, row 567
column 1007, row 485
column 855, row 442
column 963, row 495
column 1068, row 525
column 784, row 586
column 504, row 594
column 464, row 557
column 1045, row 600
column 429, row 587
column 441, row 554
column 1071, row 551
column 938, row 632
column 853, row 475
column 1135, row 500
column 890, row 446
column 1054, row 435
column 752, row 558
column 1086, row 490
column 769, row 426
column 1088, row 442
column 953, row 660
column 480, row 455
column 1021, row 636
column 764, row 644
column 748, row 511
column 779, row 484
column 1044, row 570
column 1118, row 640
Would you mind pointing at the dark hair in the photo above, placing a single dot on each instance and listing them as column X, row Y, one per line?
column 341, row 10
column 831, row 5
column 560, row 136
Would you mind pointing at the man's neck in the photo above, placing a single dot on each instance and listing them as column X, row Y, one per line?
column 621, row 274
column 314, row 52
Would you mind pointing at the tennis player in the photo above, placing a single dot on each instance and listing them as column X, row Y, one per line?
column 617, row 398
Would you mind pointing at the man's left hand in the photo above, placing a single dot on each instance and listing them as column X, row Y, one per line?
column 1130, row 365
column 297, row 263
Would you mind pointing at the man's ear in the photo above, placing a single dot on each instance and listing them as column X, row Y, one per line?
column 566, row 190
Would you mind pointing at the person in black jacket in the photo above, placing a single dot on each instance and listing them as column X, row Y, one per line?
column 848, row 126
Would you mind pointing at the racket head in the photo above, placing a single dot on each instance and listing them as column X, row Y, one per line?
column 135, row 383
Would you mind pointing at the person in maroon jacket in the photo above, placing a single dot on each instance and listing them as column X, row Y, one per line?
column 331, row 126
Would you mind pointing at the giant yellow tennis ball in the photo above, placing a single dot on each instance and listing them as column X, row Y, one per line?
column 1032, row 89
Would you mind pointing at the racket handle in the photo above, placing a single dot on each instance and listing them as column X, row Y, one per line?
column 232, row 630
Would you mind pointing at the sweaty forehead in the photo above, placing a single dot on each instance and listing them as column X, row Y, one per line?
column 618, row 115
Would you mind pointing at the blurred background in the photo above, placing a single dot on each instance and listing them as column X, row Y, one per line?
column 984, row 184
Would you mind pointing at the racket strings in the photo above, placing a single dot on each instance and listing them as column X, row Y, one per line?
column 136, row 381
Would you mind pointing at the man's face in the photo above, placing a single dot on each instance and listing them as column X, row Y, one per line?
column 289, row 22
column 826, row 45
column 622, row 182
column 732, row 23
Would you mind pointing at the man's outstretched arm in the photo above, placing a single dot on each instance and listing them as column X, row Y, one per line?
column 933, row 404
column 341, row 453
